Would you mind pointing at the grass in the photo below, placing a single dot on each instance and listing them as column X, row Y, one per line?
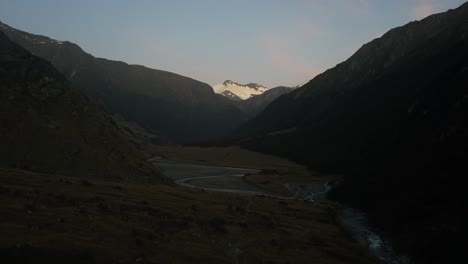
column 275, row 172
column 66, row 219
column 271, row 181
column 226, row 156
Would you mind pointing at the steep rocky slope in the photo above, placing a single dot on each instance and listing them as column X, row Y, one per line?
column 394, row 119
column 46, row 126
column 371, row 97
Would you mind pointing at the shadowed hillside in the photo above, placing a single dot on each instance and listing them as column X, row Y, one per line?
column 256, row 104
column 394, row 119
column 49, row 131
column 175, row 106
column 46, row 126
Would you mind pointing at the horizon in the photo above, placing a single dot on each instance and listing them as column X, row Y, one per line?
column 272, row 43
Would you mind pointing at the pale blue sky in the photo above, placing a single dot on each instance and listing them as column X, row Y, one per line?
column 272, row 42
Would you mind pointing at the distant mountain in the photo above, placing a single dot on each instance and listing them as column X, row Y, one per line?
column 174, row 106
column 394, row 119
column 234, row 91
column 256, row 104
column 46, row 126
column 230, row 95
column 250, row 98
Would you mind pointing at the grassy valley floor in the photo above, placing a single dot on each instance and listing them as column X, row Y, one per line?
column 276, row 174
column 57, row 219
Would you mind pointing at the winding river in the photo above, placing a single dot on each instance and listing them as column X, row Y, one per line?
column 230, row 179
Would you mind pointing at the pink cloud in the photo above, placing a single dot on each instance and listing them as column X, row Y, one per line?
column 279, row 52
column 423, row 9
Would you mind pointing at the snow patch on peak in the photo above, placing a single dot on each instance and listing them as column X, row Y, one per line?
column 243, row 91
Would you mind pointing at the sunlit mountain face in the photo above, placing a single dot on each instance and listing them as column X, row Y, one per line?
column 234, row 90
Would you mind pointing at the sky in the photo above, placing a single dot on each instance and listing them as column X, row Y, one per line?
column 270, row 42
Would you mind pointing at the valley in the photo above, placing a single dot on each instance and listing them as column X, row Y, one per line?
column 186, row 169
column 106, row 161
column 56, row 218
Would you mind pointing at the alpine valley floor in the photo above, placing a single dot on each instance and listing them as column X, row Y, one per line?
column 56, row 219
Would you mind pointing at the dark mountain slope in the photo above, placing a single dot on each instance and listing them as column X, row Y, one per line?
column 45, row 126
column 371, row 97
column 175, row 106
column 394, row 119
column 256, row 104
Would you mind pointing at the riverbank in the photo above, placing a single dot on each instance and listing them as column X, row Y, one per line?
column 265, row 182
column 59, row 219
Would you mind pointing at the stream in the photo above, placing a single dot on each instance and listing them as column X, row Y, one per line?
column 230, row 179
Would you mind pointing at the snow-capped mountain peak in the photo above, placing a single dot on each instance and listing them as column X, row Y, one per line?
column 242, row 91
